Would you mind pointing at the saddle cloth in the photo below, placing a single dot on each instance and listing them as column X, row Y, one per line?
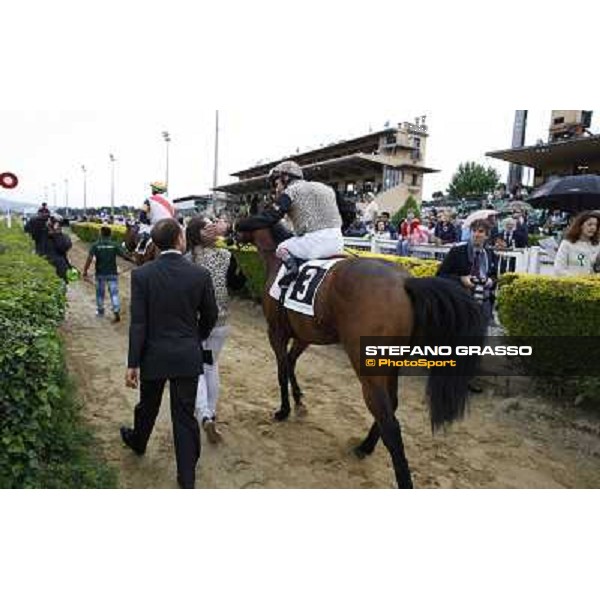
column 302, row 294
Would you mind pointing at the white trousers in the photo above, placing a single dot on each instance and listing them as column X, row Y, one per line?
column 319, row 244
column 209, row 383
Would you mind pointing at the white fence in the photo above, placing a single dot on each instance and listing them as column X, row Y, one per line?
column 529, row 260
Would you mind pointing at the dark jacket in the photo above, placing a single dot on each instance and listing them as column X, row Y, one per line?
column 520, row 238
column 37, row 228
column 446, row 232
column 173, row 309
column 458, row 264
column 57, row 247
column 356, row 230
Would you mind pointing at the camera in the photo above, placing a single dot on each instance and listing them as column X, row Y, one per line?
column 479, row 291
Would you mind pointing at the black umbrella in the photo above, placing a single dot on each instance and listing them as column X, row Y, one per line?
column 570, row 194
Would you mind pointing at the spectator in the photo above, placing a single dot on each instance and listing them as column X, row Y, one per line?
column 511, row 238
column 372, row 210
column 407, row 229
column 419, row 236
column 105, row 252
column 173, row 310
column 475, row 267
column 58, row 247
column 445, row 230
column 387, row 219
column 224, row 272
column 38, row 230
column 579, row 253
column 382, row 230
column 44, row 211
column 430, row 224
column 357, row 230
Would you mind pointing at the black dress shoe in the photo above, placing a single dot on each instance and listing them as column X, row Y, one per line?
column 185, row 486
column 127, row 435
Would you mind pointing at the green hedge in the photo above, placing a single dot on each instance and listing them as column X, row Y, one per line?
column 254, row 269
column 43, row 443
column 534, row 305
column 90, row 232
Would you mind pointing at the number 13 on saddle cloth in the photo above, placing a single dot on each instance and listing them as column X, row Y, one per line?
column 302, row 294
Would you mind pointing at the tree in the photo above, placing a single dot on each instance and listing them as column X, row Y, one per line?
column 438, row 196
column 473, row 180
column 411, row 206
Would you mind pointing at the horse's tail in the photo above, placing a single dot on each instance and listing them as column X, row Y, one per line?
column 445, row 313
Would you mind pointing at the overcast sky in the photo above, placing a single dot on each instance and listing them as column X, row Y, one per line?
column 46, row 147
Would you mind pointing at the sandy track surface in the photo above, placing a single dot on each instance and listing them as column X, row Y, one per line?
column 517, row 441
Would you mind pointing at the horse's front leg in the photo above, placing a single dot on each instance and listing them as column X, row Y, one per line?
column 279, row 343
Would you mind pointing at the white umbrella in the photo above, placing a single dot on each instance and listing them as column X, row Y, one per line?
column 480, row 215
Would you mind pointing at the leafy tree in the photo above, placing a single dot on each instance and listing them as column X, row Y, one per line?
column 438, row 196
column 411, row 206
column 473, row 180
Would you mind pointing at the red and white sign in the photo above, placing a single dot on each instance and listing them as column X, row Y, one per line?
column 8, row 181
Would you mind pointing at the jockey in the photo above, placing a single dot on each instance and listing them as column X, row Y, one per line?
column 156, row 208
column 312, row 208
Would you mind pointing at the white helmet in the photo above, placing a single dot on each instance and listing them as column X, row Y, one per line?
column 287, row 168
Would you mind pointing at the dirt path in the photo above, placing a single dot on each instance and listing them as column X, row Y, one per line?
column 519, row 442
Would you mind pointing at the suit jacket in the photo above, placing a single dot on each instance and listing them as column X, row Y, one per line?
column 520, row 238
column 457, row 264
column 173, row 309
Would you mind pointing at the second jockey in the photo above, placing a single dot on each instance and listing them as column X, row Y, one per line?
column 156, row 208
column 312, row 208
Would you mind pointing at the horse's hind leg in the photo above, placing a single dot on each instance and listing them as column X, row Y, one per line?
column 279, row 344
column 381, row 405
column 296, row 352
column 368, row 446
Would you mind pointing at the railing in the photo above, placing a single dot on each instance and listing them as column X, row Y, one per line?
column 534, row 261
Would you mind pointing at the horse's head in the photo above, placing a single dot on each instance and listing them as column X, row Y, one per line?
column 131, row 236
column 260, row 233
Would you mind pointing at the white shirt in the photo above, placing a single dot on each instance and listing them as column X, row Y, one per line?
column 577, row 259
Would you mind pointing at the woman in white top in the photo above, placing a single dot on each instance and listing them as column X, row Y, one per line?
column 579, row 253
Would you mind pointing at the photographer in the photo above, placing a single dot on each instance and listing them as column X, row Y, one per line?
column 475, row 267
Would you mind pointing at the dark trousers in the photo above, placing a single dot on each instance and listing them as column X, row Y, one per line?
column 186, row 432
column 508, row 265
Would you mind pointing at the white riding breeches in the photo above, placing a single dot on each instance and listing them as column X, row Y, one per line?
column 312, row 246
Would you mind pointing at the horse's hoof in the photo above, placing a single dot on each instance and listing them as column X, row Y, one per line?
column 282, row 415
column 406, row 484
column 360, row 453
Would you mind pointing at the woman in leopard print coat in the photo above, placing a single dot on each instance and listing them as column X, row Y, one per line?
column 202, row 238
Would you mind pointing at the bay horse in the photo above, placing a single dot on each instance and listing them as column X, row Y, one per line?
column 132, row 239
column 371, row 298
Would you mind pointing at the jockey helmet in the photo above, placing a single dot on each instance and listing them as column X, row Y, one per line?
column 158, row 187
column 289, row 168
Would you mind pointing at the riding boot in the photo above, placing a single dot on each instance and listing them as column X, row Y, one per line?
column 293, row 268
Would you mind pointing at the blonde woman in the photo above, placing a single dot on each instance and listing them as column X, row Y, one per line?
column 202, row 237
column 579, row 253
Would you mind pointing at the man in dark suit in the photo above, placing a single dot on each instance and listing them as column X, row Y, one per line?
column 173, row 309
column 511, row 238
column 474, row 266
